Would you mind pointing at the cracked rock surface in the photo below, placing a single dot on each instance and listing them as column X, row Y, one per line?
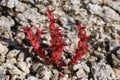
column 101, row 18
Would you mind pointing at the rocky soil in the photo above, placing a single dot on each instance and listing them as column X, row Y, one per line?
column 101, row 18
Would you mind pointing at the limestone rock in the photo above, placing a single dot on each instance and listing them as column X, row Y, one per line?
column 109, row 14
column 12, row 53
column 3, row 49
column 2, row 72
column 13, row 69
column 23, row 67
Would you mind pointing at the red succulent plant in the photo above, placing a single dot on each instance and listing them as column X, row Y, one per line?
column 82, row 45
column 57, row 43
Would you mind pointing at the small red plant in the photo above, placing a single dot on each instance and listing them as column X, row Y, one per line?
column 57, row 43
column 82, row 45
column 35, row 40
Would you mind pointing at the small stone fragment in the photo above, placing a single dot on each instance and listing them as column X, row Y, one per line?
column 3, row 49
column 12, row 53
column 23, row 67
column 2, row 72
column 21, row 57
column 13, row 69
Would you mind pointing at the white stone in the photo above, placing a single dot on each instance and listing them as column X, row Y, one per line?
column 7, row 77
column 77, row 66
column 12, row 3
column 109, row 14
column 96, row 1
column 47, row 75
column 21, row 57
column 2, row 72
column 31, row 15
column 21, row 7
column 3, row 49
column 85, row 67
column 117, row 73
column 103, row 71
column 12, row 69
column 115, row 5
column 6, row 22
column 81, row 73
column 14, row 77
column 11, row 60
column 23, row 67
column 29, row 61
column 2, row 59
column 32, row 78
column 95, row 9
column 76, row 5
column 12, row 53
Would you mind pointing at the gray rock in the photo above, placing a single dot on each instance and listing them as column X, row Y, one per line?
column 5, row 26
column 115, row 5
column 95, row 9
column 102, row 71
column 113, row 44
column 33, row 18
column 109, row 14
column 98, row 21
column 105, row 12
column 76, row 5
column 10, row 3
column 2, row 72
column 118, row 53
column 80, row 71
column 115, row 60
column 5, row 23
column 21, row 7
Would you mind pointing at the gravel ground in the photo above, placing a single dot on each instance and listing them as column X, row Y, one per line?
column 101, row 18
